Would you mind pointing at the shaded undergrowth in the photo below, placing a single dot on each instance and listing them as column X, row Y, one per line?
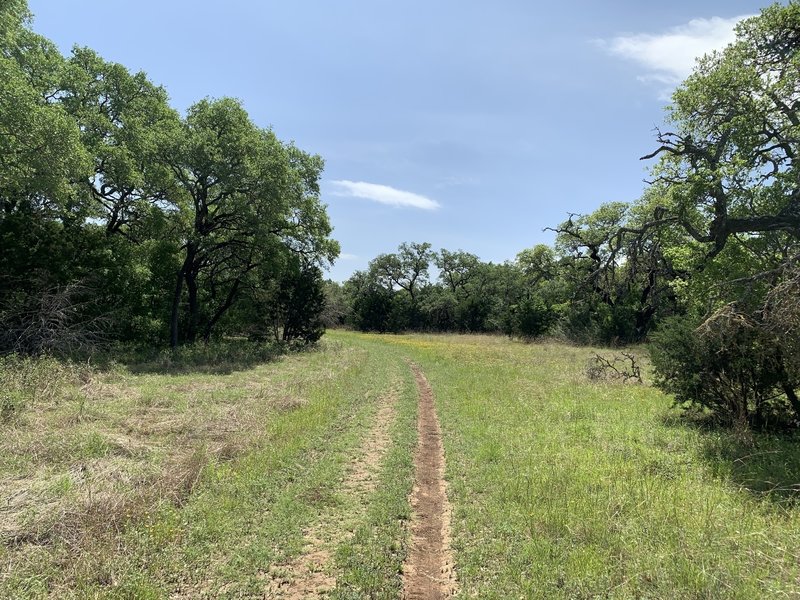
column 765, row 464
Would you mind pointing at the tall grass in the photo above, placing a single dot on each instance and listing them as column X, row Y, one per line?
column 26, row 381
column 189, row 483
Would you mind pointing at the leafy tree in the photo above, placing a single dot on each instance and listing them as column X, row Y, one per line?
column 247, row 195
column 406, row 270
column 114, row 210
column 456, row 269
column 729, row 181
column 124, row 121
column 371, row 302
column 287, row 304
column 729, row 164
column 40, row 218
column 40, row 150
column 617, row 270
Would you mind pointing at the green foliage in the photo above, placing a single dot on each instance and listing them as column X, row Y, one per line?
column 729, row 200
column 250, row 199
column 394, row 294
column 293, row 312
column 531, row 318
column 122, row 221
column 730, row 365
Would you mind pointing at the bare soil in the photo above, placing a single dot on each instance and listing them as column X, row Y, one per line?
column 428, row 572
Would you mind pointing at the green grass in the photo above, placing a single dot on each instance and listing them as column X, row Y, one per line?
column 564, row 488
column 370, row 563
column 135, row 483
column 217, row 528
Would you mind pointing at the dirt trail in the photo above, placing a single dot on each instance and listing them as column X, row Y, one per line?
column 309, row 575
column 428, row 572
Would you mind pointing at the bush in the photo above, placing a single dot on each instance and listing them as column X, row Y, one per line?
column 730, row 364
column 531, row 318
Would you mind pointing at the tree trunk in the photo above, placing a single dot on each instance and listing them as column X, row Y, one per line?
column 194, row 307
column 792, row 396
column 184, row 274
column 232, row 293
column 176, row 303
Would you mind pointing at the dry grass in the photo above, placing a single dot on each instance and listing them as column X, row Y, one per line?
column 102, row 450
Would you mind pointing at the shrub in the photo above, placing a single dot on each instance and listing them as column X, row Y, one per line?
column 531, row 318
column 730, row 363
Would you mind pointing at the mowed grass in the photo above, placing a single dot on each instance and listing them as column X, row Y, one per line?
column 567, row 488
column 197, row 485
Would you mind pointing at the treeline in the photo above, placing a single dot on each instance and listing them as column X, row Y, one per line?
column 544, row 291
column 706, row 264
column 121, row 220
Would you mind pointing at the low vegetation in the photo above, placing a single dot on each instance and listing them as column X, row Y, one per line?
column 185, row 483
column 131, row 483
column 568, row 487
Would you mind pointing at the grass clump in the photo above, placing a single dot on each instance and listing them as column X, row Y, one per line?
column 27, row 380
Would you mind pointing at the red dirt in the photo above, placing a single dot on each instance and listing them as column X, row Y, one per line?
column 428, row 572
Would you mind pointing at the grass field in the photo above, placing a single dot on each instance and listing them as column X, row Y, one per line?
column 293, row 477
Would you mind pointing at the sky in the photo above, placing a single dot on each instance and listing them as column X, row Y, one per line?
column 470, row 125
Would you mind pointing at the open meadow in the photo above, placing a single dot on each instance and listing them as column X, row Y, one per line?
column 306, row 475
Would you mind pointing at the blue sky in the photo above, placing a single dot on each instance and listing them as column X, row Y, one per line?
column 470, row 125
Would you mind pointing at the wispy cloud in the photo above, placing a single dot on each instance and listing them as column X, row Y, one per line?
column 383, row 194
column 670, row 56
column 346, row 256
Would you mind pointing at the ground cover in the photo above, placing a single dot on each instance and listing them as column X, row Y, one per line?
column 293, row 478
column 564, row 487
column 196, row 484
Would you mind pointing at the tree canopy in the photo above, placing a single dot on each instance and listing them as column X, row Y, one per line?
column 122, row 220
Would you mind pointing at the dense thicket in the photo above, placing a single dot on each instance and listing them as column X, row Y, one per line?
column 122, row 220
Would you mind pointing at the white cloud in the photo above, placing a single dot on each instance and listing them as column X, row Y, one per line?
column 670, row 56
column 383, row 194
column 346, row 256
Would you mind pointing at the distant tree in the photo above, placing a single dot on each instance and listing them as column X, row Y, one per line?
column 336, row 311
column 618, row 271
column 406, row 269
column 456, row 269
column 371, row 302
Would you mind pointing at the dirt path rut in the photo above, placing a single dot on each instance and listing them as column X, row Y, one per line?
column 428, row 572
